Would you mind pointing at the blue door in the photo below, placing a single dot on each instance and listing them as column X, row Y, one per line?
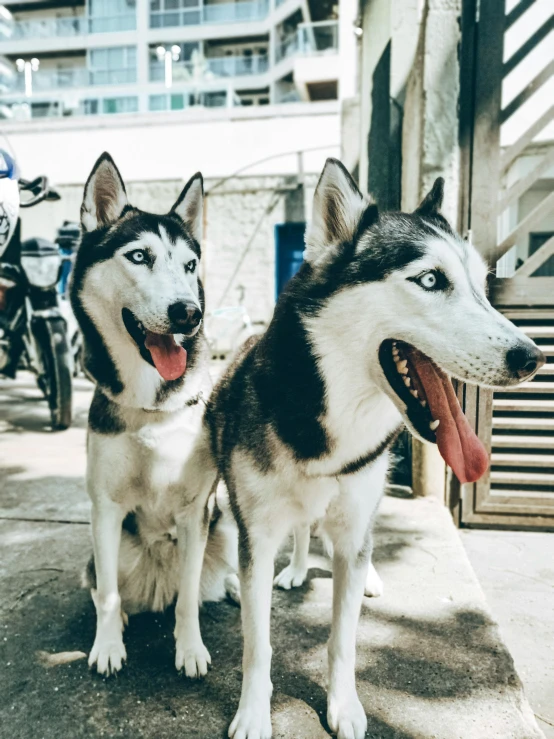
column 289, row 252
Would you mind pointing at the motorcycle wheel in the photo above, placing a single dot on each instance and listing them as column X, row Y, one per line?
column 55, row 382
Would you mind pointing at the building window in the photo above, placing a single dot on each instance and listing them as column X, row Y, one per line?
column 115, row 65
column 182, row 100
column 91, row 107
column 108, row 106
column 166, row 13
column 112, row 15
column 120, row 105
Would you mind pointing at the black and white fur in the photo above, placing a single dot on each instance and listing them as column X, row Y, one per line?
column 299, row 426
column 137, row 271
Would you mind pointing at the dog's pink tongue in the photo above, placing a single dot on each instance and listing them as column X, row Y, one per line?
column 458, row 444
column 169, row 358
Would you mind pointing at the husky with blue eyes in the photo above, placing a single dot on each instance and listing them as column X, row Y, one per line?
column 137, row 296
column 365, row 338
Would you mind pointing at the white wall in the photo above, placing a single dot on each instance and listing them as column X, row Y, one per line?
column 162, row 146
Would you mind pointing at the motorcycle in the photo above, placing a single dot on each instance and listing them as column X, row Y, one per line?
column 67, row 239
column 33, row 331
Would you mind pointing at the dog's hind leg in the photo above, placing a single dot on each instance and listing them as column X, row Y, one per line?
column 193, row 520
column 294, row 574
column 349, row 524
column 108, row 651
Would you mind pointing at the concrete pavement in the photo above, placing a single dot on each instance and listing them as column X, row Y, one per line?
column 430, row 659
column 516, row 571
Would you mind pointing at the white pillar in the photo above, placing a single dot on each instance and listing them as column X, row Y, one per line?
column 143, row 23
column 348, row 53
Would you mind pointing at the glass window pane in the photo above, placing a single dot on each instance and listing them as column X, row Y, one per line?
column 177, row 102
column 157, row 102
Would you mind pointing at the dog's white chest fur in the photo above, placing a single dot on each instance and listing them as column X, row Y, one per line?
column 143, row 466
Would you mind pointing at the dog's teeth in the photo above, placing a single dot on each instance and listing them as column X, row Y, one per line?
column 423, row 403
column 414, row 393
column 407, row 381
column 434, row 425
column 402, row 367
column 396, row 358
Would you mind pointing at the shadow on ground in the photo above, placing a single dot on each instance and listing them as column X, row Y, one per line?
column 44, row 609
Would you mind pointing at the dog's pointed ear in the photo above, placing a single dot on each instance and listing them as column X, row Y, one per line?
column 190, row 206
column 104, row 198
column 432, row 202
column 337, row 210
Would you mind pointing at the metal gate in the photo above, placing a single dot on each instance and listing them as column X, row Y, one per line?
column 507, row 144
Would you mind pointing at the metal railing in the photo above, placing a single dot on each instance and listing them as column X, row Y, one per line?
column 228, row 66
column 48, row 27
column 113, row 23
column 55, row 80
column 74, row 26
column 230, row 12
column 310, row 39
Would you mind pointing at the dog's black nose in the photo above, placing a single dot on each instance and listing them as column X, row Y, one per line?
column 184, row 316
column 524, row 359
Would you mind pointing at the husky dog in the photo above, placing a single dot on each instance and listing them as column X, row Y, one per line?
column 138, row 299
column 362, row 340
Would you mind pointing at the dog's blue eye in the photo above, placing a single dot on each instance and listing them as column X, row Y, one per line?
column 432, row 280
column 137, row 256
column 428, row 280
column 190, row 266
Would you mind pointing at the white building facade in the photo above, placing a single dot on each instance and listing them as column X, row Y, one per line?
column 104, row 57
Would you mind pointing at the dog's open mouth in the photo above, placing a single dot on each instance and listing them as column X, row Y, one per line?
column 159, row 350
column 432, row 408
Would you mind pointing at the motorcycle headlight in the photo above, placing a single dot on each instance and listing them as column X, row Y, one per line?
column 42, row 270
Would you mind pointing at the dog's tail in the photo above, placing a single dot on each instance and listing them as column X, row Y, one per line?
column 149, row 566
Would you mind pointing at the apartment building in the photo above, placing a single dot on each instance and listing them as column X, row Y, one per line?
column 106, row 57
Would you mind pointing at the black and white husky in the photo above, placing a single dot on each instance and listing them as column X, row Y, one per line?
column 362, row 340
column 138, row 299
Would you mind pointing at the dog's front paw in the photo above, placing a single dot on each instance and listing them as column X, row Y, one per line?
column 290, row 577
column 346, row 717
column 252, row 721
column 108, row 654
column 192, row 657
column 373, row 587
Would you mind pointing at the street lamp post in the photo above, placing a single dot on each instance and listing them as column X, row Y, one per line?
column 168, row 56
column 28, row 68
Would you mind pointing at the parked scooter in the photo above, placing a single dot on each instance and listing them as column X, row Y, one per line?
column 33, row 331
column 67, row 239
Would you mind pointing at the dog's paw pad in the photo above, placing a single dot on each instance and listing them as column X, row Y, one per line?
column 251, row 722
column 347, row 718
column 108, row 656
column 193, row 659
column 290, row 577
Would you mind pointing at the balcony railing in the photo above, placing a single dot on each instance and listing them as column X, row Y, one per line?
column 310, row 39
column 56, row 106
column 54, row 80
column 215, row 67
column 230, row 12
column 66, row 79
column 48, row 27
column 74, row 26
